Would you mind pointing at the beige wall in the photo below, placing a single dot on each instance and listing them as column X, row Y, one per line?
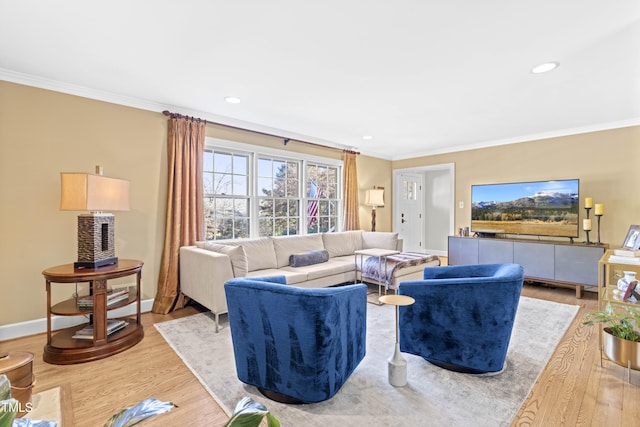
column 605, row 162
column 43, row 133
column 375, row 172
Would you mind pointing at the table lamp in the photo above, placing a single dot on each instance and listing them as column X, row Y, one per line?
column 374, row 198
column 96, row 233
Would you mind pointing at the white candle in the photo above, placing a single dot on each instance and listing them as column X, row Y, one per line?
column 599, row 209
column 588, row 202
column 586, row 224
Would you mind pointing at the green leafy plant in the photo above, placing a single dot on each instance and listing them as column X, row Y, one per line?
column 618, row 324
column 249, row 413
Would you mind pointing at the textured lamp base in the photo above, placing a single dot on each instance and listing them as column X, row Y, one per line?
column 96, row 238
column 397, row 369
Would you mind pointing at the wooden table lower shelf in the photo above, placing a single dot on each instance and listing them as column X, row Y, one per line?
column 65, row 350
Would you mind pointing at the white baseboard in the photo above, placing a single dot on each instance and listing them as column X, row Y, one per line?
column 38, row 326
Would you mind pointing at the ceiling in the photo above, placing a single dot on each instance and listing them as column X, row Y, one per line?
column 421, row 77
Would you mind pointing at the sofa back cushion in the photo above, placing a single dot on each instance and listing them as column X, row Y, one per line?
column 235, row 253
column 379, row 240
column 260, row 253
column 343, row 243
column 285, row 246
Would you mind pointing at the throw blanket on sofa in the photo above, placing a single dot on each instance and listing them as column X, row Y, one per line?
column 371, row 268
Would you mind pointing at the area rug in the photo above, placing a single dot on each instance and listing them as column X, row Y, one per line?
column 433, row 396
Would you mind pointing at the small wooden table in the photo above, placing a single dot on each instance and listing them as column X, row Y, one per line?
column 62, row 348
column 397, row 364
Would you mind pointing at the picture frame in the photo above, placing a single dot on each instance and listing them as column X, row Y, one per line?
column 632, row 241
column 631, row 294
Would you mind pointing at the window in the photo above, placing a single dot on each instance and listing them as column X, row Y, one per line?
column 278, row 197
column 252, row 191
column 322, row 198
column 227, row 205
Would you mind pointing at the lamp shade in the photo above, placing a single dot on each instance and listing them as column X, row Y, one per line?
column 374, row 197
column 91, row 192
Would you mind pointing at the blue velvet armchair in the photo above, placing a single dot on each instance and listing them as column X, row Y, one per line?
column 297, row 345
column 463, row 316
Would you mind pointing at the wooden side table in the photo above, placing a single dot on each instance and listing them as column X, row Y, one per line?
column 62, row 348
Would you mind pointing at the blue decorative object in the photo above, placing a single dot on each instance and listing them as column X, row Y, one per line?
column 463, row 316
column 296, row 344
column 309, row 258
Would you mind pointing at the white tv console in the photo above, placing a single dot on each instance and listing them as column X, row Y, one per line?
column 553, row 262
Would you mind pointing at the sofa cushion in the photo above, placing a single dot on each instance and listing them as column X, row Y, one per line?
column 285, row 246
column 324, row 269
column 293, row 277
column 235, row 253
column 260, row 254
column 344, row 243
column 309, row 258
column 379, row 240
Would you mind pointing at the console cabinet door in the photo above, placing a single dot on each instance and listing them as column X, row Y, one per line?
column 462, row 250
column 495, row 252
column 578, row 264
column 537, row 259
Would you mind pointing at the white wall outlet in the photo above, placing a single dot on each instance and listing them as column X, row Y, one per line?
column 461, row 205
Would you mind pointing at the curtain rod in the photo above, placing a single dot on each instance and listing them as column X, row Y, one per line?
column 284, row 138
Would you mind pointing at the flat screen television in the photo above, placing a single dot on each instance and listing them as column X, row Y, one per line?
column 540, row 208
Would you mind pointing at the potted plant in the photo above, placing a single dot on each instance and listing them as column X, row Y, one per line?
column 620, row 339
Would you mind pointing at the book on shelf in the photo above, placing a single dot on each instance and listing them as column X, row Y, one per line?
column 113, row 325
column 624, row 259
column 112, row 298
column 627, row 253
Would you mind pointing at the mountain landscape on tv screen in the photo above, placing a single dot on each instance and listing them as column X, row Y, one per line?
column 545, row 213
column 540, row 200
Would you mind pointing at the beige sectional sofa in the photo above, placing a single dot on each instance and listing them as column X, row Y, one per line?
column 205, row 267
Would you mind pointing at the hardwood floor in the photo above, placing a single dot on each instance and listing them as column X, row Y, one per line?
column 573, row 390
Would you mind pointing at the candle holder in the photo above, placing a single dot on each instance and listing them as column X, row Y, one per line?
column 598, row 217
column 587, row 242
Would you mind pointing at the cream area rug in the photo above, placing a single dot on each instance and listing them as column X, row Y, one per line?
column 432, row 397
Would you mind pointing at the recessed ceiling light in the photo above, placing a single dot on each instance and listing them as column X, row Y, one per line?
column 546, row 67
column 232, row 99
column 367, row 137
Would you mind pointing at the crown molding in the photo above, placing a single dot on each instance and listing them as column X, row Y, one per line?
column 99, row 95
column 527, row 138
column 142, row 104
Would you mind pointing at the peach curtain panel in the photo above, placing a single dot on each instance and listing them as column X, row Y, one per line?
column 185, row 206
column 351, row 217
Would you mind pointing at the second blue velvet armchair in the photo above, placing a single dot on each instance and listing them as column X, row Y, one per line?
column 463, row 316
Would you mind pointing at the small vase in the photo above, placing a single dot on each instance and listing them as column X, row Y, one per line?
column 629, row 276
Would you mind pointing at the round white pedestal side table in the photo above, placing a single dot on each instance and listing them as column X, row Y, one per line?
column 397, row 364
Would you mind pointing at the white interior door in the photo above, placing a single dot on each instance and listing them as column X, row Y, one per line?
column 408, row 212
